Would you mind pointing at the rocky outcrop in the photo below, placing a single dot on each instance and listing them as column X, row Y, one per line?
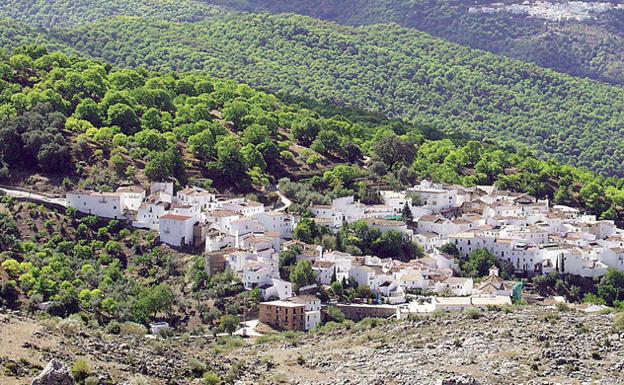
column 459, row 380
column 55, row 373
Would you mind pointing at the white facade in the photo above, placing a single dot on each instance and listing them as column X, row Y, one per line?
column 256, row 275
column 325, row 271
column 276, row 221
column 176, row 230
column 278, row 288
column 456, row 285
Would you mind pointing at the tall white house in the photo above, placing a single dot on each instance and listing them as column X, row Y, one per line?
column 176, row 230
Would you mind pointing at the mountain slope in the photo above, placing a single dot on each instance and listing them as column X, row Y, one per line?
column 43, row 13
column 395, row 70
column 592, row 47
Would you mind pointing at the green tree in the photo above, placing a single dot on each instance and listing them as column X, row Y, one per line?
column 230, row 162
column 306, row 231
column 228, row 324
column 9, row 233
column 123, row 116
column 611, row 287
column 479, row 263
column 406, row 214
column 302, row 274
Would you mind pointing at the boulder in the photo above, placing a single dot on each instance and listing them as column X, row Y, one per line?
column 55, row 373
column 460, row 380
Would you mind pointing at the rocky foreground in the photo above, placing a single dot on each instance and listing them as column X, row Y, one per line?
column 528, row 345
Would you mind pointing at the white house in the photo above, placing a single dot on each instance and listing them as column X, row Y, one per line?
column 276, row 221
column 456, row 285
column 384, row 225
column 244, row 207
column 257, row 274
column 149, row 213
column 413, row 278
column 176, row 230
column 434, row 197
column 343, row 261
column 112, row 205
column 278, row 288
column 198, row 197
column 325, row 271
column 391, row 292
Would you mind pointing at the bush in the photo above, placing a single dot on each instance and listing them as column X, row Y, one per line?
column 113, row 327
column 336, row 314
column 618, row 322
column 198, row 368
column 562, row 306
column 69, row 327
column 473, row 313
column 81, row 370
column 132, row 329
column 211, row 378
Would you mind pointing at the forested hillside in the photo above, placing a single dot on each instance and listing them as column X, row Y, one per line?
column 57, row 13
column 97, row 127
column 591, row 48
column 386, row 68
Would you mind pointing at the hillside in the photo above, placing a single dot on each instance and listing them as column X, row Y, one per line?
column 528, row 345
column 447, row 86
column 434, row 82
column 547, row 33
column 72, row 123
column 55, row 13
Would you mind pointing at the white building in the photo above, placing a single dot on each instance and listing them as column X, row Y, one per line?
column 312, row 309
column 177, row 230
column 456, row 285
column 257, row 274
column 278, row 288
column 113, row 205
column 325, row 271
column 276, row 221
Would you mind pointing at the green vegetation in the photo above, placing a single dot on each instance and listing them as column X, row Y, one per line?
column 589, row 48
column 443, row 85
column 68, row 12
column 76, row 117
column 110, row 276
column 434, row 82
column 618, row 322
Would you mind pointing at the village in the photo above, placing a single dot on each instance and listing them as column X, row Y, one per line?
column 527, row 235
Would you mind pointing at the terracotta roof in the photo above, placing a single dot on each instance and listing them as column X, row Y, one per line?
column 176, row 217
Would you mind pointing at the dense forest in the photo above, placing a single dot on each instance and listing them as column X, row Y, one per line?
column 443, row 85
column 591, row 48
column 72, row 12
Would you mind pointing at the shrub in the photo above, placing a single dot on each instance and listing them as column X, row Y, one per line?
column 562, row 306
column 69, row 327
column 211, row 378
column 618, row 322
column 473, row 313
column 336, row 314
column 91, row 381
column 198, row 368
column 113, row 327
column 132, row 329
column 81, row 370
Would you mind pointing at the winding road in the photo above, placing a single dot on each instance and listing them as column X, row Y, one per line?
column 33, row 196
